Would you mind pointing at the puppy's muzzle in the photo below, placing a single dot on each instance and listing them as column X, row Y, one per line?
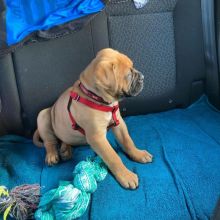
column 137, row 84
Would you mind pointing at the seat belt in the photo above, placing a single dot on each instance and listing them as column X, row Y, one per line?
column 210, row 48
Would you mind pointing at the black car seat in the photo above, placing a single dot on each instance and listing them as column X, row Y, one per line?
column 165, row 40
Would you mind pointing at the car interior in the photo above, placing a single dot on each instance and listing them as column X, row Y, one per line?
column 176, row 45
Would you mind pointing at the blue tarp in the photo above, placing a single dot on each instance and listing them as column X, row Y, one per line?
column 183, row 182
column 27, row 16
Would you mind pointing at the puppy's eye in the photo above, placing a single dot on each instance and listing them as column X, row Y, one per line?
column 129, row 76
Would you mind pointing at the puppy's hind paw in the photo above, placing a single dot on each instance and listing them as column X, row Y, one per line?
column 66, row 154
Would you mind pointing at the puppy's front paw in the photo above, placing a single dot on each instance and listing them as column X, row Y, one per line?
column 52, row 159
column 127, row 179
column 141, row 156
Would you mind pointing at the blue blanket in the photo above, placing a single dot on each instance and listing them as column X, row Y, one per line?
column 183, row 182
column 23, row 17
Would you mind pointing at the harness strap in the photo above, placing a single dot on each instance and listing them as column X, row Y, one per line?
column 75, row 96
column 91, row 104
column 114, row 117
column 75, row 126
column 92, row 94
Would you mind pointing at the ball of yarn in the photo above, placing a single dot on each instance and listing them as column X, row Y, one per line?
column 4, row 195
column 94, row 166
column 71, row 199
column 67, row 195
column 85, row 181
column 77, row 210
column 86, row 166
column 100, row 169
column 66, row 202
column 21, row 202
column 5, row 206
column 43, row 215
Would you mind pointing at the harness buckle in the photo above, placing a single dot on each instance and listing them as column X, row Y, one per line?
column 77, row 98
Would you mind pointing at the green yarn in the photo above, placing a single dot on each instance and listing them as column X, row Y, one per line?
column 71, row 199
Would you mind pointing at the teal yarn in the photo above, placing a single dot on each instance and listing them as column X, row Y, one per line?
column 40, row 214
column 87, row 173
column 71, row 199
column 100, row 169
column 85, row 181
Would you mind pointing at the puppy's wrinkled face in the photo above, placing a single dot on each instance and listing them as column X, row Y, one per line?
column 114, row 75
column 135, row 80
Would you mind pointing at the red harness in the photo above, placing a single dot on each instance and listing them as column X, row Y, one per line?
column 103, row 108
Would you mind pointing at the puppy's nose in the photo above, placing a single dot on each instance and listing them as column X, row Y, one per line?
column 141, row 77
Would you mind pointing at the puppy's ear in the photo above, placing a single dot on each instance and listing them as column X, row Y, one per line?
column 105, row 77
column 105, row 72
column 114, row 67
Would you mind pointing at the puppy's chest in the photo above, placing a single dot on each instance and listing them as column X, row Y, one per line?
column 103, row 119
column 108, row 117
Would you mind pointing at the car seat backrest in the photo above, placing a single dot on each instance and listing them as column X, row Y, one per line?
column 44, row 70
column 164, row 39
column 10, row 108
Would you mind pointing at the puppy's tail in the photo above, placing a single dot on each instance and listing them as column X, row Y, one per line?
column 36, row 139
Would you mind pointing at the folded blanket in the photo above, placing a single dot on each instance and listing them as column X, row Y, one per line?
column 20, row 19
column 24, row 17
column 183, row 182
